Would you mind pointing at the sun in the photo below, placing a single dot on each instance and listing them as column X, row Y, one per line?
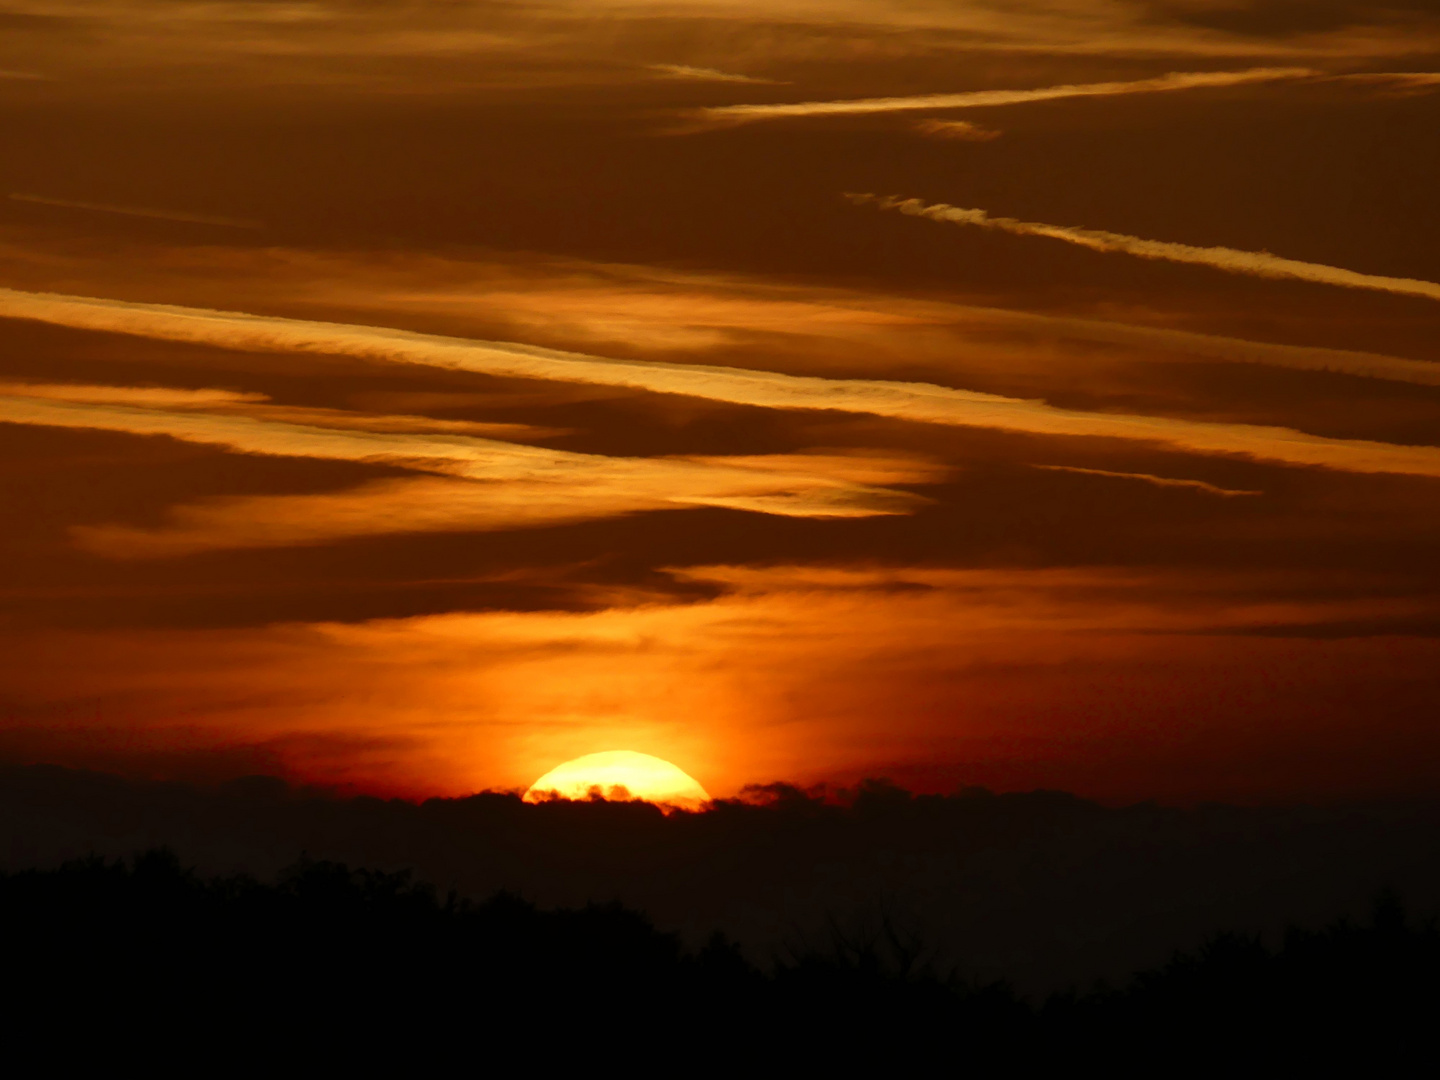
column 620, row 774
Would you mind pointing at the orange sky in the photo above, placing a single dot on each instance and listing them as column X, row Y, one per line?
column 411, row 397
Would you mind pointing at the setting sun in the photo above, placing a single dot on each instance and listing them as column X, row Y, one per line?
column 620, row 774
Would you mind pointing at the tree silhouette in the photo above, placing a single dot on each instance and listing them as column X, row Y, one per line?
column 335, row 966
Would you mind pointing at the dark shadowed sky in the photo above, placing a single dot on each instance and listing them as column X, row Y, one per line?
column 411, row 396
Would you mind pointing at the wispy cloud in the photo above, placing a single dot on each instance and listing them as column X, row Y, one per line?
column 1231, row 260
column 1158, row 340
column 398, row 48
column 973, row 99
column 1150, row 478
column 1401, row 80
column 153, row 396
column 256, row 406
column 794, row 487
column 415, row 425
column 919, row 402
column 138, row 211
column 490, row 484
column 589, row 306
column 960, row 130
column 702, row 74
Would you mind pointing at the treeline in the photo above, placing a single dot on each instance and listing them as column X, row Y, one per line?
column 1040, row 888
column 357, row 968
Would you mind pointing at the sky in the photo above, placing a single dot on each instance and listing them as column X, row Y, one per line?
column 408, row 397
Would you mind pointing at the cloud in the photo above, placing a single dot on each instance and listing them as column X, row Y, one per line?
column 973, row 99
column 1288, row 19
column 1149, row 478
column 961, row 130
column 501, row 485
column 659, row 315
column 383, row 507
column 1216, row 347
column 374, row 48
column 586, row 305
column 139, row 211
column 597, row 305
column 157, row 396
column 780, row 674
column 792, row 485
column 256, row 406
column 702, row 74
column 1404, row 80
column 910, row 401
column 1231, row 260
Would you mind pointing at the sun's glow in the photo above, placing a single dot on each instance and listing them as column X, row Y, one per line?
column 620, row 774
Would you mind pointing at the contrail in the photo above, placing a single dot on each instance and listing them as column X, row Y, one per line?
column 1413, row 80
column 909, row 401
column 1175, row 80
column 1233, row 260
column 1153, row 480
column 138, row 211
column 702, row 74
column 1227, row 349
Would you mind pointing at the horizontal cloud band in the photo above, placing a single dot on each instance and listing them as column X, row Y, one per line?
column 1175, row 80
column 1232, row 260
column 780, row 485
column 921, row 402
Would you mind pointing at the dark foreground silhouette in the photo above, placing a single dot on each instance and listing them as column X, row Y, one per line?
column 1042, row 889
column 354, row 968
